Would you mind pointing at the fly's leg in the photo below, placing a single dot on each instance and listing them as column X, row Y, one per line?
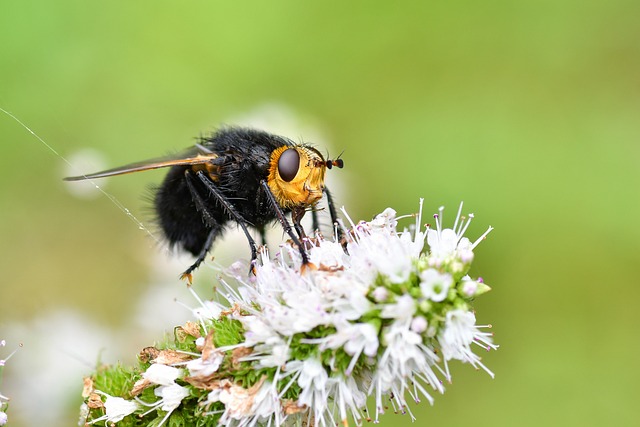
column 314, row 217
column 186, row 275
column 296, row 216
column 231, row 211
column 334, row 216
column 285, row 224
column 209, row 219
column 263, row 236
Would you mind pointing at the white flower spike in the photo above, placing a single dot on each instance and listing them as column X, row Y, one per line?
column 383, row 314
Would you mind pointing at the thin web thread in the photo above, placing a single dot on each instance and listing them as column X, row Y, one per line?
column 111, row 197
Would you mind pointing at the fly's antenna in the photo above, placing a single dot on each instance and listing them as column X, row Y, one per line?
column 337, row 162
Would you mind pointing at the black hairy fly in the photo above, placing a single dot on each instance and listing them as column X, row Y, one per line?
column 238, row 175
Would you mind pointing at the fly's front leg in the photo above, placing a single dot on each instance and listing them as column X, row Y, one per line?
column 297, row 214
column 285, row 224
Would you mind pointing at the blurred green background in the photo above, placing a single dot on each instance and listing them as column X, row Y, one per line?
column 527, row 111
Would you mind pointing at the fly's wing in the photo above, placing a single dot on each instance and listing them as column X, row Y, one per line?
column 196, row 155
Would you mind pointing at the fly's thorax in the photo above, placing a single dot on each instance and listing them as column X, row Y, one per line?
column 296, row 175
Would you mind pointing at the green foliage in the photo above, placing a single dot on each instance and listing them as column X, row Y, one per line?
column 116, row 380
column 181, row 341
column 227, row 332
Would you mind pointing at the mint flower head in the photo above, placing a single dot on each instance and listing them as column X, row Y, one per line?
column 382, row 313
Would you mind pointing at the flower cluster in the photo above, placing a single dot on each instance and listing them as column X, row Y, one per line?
column 379, row 313
column 4, row 400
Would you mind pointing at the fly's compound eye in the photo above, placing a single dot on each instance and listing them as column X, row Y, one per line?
column 288, row 164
